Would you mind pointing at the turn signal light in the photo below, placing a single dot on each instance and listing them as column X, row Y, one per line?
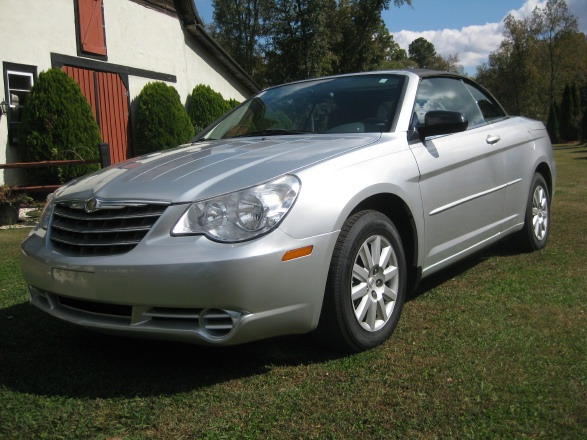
column 297, row 253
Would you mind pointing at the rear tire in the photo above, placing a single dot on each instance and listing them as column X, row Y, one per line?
column 534, row 235
column 366, row 284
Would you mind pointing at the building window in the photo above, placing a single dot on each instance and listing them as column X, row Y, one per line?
column 18, row 81
column 91, row 33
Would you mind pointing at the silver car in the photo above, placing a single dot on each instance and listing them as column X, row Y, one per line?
column 312, row 206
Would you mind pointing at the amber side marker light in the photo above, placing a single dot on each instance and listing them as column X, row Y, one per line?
column 297, row 253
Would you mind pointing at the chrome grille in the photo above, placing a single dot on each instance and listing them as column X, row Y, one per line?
column 115, row 228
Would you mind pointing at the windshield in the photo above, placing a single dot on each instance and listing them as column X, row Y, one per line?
column 351, row 104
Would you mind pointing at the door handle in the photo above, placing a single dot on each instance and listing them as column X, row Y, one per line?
column 492, row 139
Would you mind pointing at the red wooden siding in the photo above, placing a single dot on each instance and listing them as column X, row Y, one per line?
column 91, row 26
column 113, row 101
column 85, row 79
column 108, row 97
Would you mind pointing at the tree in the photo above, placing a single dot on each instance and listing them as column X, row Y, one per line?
column 537, row 57
column 512, row 74
column 363, row 39
column 240, row 26
column 285, row 40
column 554, row 25
column 58, row 124
column 395, row 57
column 552, row 125
column 422, row 52
column 162, row 121
column 300, row 44
column 568, row 123
column 423, row 55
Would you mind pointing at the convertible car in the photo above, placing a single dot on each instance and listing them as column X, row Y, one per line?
column 312, row 206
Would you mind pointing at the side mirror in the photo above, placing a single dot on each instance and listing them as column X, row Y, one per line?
column 439, row 122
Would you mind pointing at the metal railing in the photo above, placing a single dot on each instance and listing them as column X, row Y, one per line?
column 104, row 161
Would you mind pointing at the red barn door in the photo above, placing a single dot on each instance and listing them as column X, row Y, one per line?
column 108, row 97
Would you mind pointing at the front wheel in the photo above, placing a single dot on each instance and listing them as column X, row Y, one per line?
column 537, row 218
column 366, row 284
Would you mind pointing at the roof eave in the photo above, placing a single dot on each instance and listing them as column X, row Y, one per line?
column 188, row 14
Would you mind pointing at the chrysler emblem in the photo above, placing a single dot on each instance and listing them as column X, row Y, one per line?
column 92, row 205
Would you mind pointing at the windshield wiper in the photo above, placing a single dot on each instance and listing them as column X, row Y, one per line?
column 273, row 132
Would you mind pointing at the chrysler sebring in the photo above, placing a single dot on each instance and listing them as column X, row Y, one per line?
column 312, row 206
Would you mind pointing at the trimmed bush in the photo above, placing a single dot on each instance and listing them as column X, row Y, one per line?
column 232, row 103
column 205, row 105
column 161, row 119
column 58, row 124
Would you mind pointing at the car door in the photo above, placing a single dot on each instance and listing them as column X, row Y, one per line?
column 462, row 176
column 514, row 135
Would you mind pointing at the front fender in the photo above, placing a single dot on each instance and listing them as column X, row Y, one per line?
column 331, row 191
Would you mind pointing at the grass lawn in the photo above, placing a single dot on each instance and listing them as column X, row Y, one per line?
column 496, row 348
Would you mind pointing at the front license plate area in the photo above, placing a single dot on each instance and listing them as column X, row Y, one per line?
column 74, row 283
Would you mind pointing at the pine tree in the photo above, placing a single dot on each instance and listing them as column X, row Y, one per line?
column 566, row 115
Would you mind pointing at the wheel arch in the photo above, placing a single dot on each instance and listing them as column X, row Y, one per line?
column 544, row 170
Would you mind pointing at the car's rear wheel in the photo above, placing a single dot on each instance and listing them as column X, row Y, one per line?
column 537, row 219
column 366, row 284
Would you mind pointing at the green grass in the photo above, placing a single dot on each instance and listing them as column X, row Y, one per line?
column 494, row 348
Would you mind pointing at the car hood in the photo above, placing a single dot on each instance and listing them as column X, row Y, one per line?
column 206, row 169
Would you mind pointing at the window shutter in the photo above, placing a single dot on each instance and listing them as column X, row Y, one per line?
column 91, row 26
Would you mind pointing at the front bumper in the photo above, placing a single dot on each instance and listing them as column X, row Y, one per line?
column 184, row 288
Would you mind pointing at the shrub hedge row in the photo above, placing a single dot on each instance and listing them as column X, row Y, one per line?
column 58, row 124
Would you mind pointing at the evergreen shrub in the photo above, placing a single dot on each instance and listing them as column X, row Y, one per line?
column 205, row 105
column 161, row 120
column 232, row 103
column 58, row 124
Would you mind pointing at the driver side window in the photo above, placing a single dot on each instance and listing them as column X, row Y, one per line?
column 447, row 94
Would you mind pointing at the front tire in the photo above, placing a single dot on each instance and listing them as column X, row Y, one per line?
column 366, row 284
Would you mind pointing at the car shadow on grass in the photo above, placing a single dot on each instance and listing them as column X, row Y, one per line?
column 505, row 247
column 40, row 355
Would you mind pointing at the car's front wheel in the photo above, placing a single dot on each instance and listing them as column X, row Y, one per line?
column 366, row 284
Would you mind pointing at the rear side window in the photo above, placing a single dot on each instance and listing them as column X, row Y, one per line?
column 447, row 94
column 489, row 108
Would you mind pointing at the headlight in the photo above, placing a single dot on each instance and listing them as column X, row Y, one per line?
column 240, row 215
column 46, row 214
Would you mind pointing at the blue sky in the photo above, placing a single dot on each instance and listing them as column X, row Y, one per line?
column 471, row 28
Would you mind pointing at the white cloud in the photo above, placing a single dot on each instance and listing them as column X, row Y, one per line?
column 527, row 9
column 474, row 43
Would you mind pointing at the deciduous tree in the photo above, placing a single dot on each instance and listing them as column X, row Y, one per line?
column 538, row 56
column 240, row 27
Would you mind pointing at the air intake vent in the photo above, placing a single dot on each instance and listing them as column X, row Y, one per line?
column 110, row 229
column 214, row 322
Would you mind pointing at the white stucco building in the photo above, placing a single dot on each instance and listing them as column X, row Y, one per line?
column 112, row 48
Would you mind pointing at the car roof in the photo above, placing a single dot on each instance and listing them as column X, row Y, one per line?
column 426, row 73
column 422, row 73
